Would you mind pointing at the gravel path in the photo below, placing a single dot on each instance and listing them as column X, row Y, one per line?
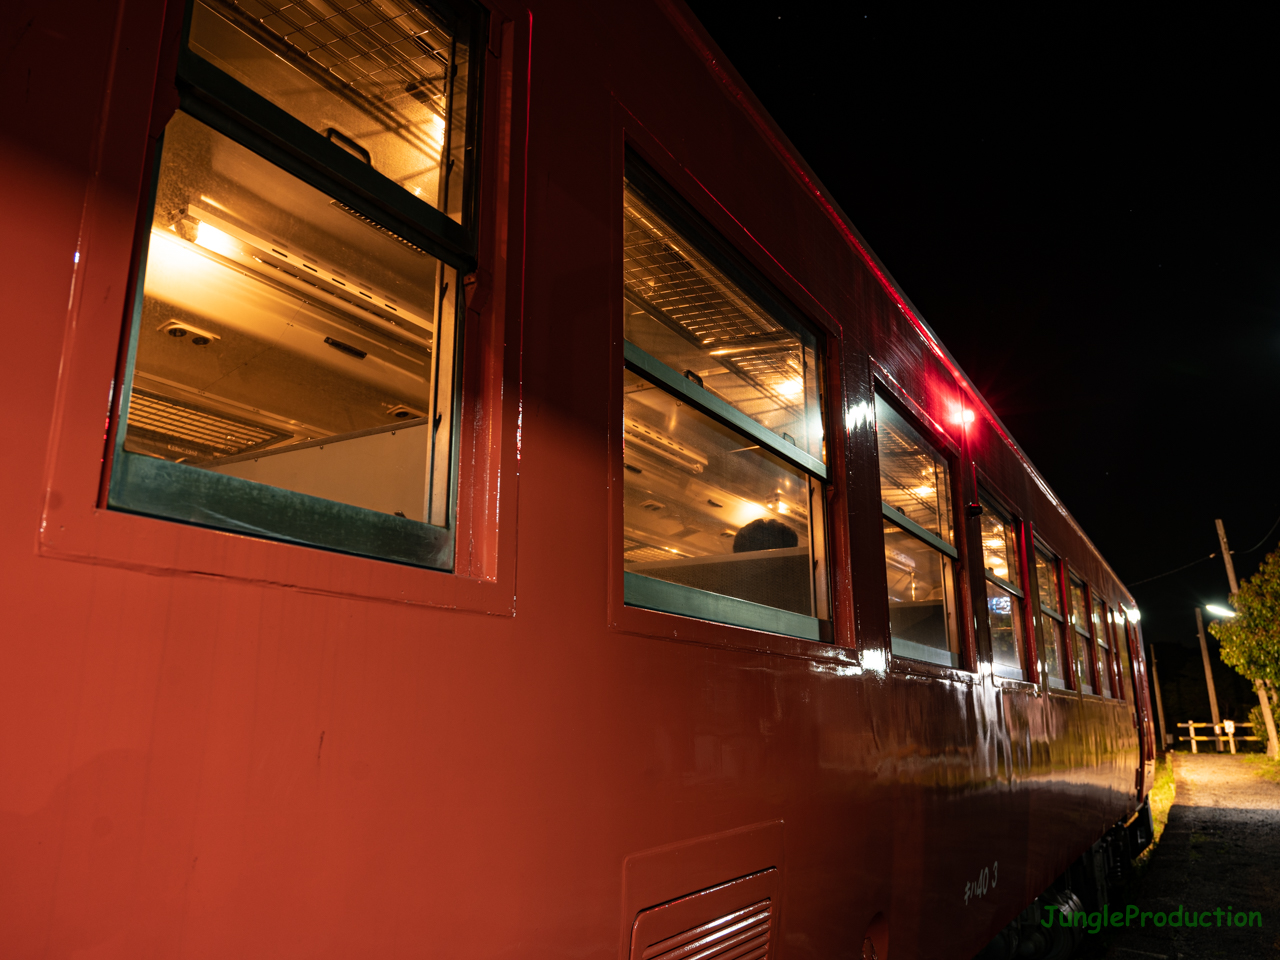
column 1220, row 849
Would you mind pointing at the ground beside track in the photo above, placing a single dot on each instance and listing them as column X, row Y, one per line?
column 1220, row 849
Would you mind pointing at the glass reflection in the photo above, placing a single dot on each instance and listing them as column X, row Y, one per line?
column 1051, row 631
column 1047, row 583
column 1106, row 674
column 1053, row 644
column 1122, row 653
column 913, row 478
column 922, row 609
column 682, row 309
column 1005, row 620
column 999, row 550
column 705, row 508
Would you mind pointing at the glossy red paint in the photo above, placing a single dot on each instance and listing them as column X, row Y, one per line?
column 217, row 745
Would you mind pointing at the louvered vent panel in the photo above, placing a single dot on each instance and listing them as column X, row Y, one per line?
column 175, row 428
column 740, row 935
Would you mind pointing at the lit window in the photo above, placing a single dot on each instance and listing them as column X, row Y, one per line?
column 1051, row 622
column 1004, row 593
column 722, row 431
column 919, row 548
column 293, row 361
column 1083, row 640
column 1119, row 632
column 1106, row 666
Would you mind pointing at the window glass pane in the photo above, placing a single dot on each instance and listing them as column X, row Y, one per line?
column 1122, row 651
column 1051, row 643
column 383, row 79
column 1084, row 662
column 999, row 550
column 913, row 478
column 1100, row 623
column 1047, row 583
column 922, row 608
column 286, row 342
column 680, row 308
column 1079, row 609
column 1004, row 615
column 706, row 508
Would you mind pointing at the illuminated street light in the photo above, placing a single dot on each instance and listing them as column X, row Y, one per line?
column 1218, row 611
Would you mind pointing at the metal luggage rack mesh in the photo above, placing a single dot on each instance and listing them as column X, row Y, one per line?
column 906, row 468
column 379, row 49
column 705, row 307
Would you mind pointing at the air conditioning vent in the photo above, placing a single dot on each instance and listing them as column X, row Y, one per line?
column 740, row 935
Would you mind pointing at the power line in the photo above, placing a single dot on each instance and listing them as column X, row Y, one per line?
column 1169, row 573
column 1265, row 537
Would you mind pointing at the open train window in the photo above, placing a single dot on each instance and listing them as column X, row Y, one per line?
column 1051, row 623
column 919, row 541
column 1005, row 595
column 1083, row 639
column 1106, row 662
column 723, row 450
column 293, row 360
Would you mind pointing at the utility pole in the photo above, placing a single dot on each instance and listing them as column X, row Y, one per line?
column 1273, row 747
column 1155, row 676
column 1208, row 679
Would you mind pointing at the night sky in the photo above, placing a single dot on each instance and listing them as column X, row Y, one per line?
column 1085, row 209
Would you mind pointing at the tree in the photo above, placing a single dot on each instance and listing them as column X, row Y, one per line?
column 1251, row 639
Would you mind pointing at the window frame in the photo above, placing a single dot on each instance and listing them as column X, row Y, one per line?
column 74, row 524
column 952, row 553
column 654, row 596
column 178, row 492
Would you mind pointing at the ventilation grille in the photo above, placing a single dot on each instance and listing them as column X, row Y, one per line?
column 634, row 551
column 180, row 431
column 740, row 935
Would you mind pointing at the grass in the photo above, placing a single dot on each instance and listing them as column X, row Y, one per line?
column 1162, row 793
column 1263, row 767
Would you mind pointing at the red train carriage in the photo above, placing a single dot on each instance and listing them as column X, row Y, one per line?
column 528, row 520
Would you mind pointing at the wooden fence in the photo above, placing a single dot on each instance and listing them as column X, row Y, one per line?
column 1226, row 730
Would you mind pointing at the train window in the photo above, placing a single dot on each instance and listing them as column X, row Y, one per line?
column 1121, row 648
column 1004, row 592
column 919, row 547
column 682, row 310
column 723, row 454
column 1083, row 641
column 385, row 80
column 1051, row 622
column 292, row 365
column 1106, row 667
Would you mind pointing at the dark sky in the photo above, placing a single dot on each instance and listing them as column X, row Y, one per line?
column 1086, row 208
